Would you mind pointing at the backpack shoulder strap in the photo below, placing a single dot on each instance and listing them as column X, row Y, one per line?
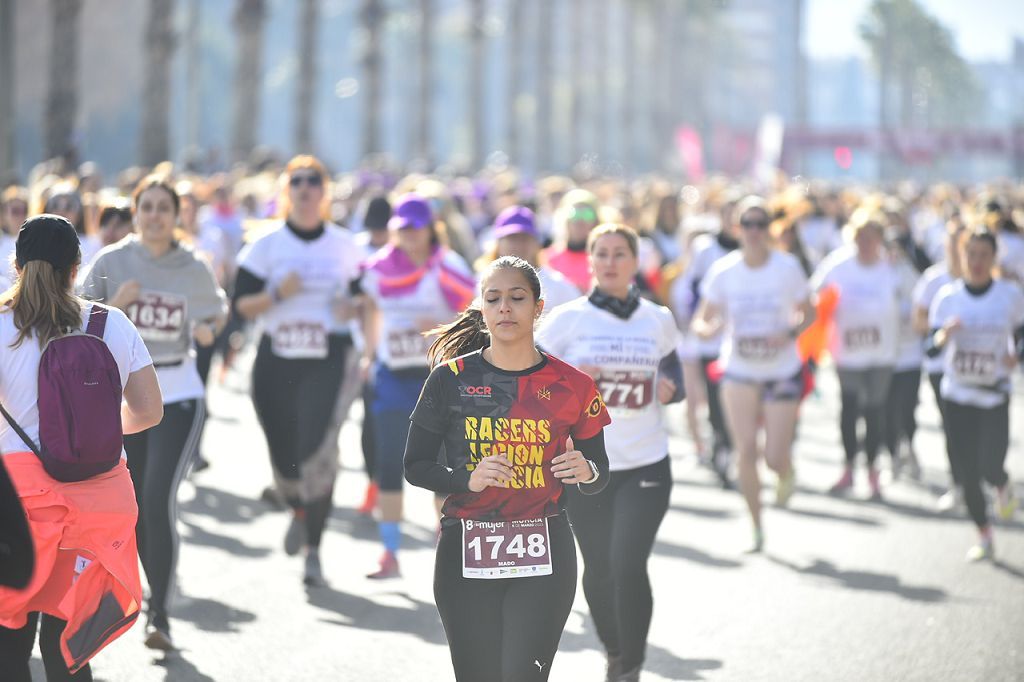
column 97, row 321
column 21, row 432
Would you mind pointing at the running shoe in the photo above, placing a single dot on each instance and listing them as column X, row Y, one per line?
column 785, row 487
column 1006, row 501
column 313, row 575
column 158, row 634
column 949, row 500
column 913, row 466
column 370, row 501
column 982, row 551
column 758, row 543
column 844, row 483
column 388, row 567
column 874, row 484
column 295, row 536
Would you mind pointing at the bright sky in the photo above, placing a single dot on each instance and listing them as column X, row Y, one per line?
column 983, row 29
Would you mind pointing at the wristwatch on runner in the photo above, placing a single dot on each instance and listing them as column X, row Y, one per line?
column 594, row 471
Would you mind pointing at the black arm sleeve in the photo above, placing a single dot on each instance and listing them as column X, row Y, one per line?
column 932, row 349
column 246, row 283
column 671, row 368
column 593, row 449
column 422, row 468
column 17, row 557
column 1018, row 339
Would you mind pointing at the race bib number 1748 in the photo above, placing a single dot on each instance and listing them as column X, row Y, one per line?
column 505, row 549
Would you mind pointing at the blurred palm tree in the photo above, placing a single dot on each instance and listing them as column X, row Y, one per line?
column 917, row 62
column 514, row 60
column 305, row 85
column 371, row 17
column 477, row 68
column 545, row 65
column 424, row 120
column 159, row 44
column 7, row 87
column 62, row 96
column 577, row 114
column 249, row 18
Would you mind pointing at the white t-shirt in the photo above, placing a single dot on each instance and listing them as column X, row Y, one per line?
column 820, row 236
column 1011, row 256
column 933, row 279
column 974, row 373
column 910, row 352
column 401, row 344
column 298, row 327
column 706, row 250
column 758, row 306
column 867, row 313
column 19, row 371
column 7, row 249
column 556, row 288
column 628, row 353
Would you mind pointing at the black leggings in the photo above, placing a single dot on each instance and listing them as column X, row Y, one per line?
column 506, row 629
column 367, row 438
column 720, row 434
column 616, row 530
column 978, row 439
column 901, row 405
column 16, row 650
column 294, row 401
column 158, row 459
column 935, row 379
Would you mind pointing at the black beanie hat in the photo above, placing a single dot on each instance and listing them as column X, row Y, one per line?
column 378, row 213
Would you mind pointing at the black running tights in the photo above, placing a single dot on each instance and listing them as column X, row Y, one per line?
column 978, row 439
column 506, row 629
column 616, row 531
column 16, row 651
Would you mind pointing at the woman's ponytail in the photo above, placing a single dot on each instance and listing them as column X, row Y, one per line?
column 467, row 333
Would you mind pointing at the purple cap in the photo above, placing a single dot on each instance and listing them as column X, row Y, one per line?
column 411, row 210
column 515, row 220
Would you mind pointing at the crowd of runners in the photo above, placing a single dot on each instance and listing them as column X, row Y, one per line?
column 513, row 344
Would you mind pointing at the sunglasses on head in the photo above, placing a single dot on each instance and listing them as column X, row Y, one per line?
column 585, row 214
column 754, row 223
column 313, row 180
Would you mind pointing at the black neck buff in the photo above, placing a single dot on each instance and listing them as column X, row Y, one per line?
column 577, row 247
column 979, row 290
column 727, row 242
column 306, row 235
column 619, row 307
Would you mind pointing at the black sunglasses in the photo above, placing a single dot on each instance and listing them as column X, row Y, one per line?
column 754, row 224
column 312, row 180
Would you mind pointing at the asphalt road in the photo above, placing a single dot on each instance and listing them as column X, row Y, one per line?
column 847, row 589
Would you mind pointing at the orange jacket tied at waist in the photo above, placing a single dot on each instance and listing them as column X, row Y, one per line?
column 87, row 570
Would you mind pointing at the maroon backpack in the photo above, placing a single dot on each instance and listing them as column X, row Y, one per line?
column 79, row 405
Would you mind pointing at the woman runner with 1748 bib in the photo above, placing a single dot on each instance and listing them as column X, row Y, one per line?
column 507, row 416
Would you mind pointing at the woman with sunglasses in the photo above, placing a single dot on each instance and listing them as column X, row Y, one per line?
column 295, row 280
column 66, row 201
column 865, row 340
column 172, row 298
column 628, row 345
column 760, row 298
column 978, row 327
column 13, row 211
column 410, row 286
column 575, row 218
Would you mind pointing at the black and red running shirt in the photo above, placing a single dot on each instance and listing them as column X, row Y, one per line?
column 482, row 410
